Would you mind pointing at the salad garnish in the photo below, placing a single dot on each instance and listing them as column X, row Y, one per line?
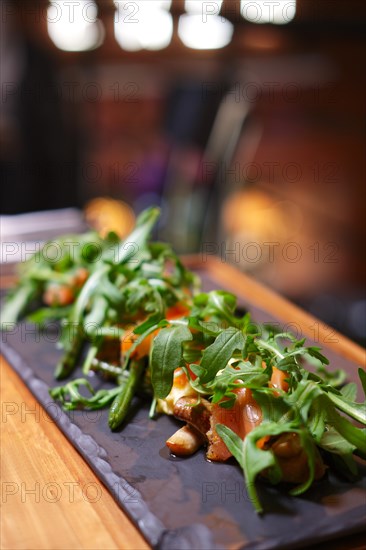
column 242, row 389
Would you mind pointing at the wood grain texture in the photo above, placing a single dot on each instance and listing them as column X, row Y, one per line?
column 50, row 496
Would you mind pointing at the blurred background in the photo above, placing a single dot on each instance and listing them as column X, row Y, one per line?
column 243, row 120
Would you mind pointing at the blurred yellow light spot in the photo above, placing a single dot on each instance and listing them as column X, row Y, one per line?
column 105, row 215
column 260, row 217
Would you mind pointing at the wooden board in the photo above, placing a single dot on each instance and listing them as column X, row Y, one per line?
column 50, row 496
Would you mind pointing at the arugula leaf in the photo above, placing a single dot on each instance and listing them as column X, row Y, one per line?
column 251, row 348
column 133, row 245
column 192, row 355
column 151, row 321
column 308, row 446
column 314, row 351
column 72, row 399
column 349, row 391
column 166, row 356
column 317, row 420
column 207, row 327
column 302, row 398
column 262, row 460
column 222, row 302
column 288, row 363
column 355, row 436
column 216, row 356
column 234, row 376
column 273, row 408
column 219, row 305
column 252, row 459
column 333, row 442
column 355, row 410
column 335, row 378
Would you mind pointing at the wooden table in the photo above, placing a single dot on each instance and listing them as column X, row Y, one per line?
column 52, row 499
column 50, row 496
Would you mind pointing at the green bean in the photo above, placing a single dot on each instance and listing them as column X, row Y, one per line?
column 120, row 405
column 72, row 351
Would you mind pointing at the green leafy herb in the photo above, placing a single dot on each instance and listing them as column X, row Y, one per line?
column 217, row 355
column 167, row 354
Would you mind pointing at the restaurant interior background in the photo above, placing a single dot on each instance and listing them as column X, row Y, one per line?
column 243, row 120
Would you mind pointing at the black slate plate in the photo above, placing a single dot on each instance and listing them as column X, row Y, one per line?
column 187, row 503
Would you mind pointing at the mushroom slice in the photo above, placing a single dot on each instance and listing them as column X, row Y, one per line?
column 195, row 413
column 185, row 441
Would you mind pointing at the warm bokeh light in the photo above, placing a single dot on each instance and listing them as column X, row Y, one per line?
column 149, row 26
column 214, row 33
column 280, row 12
column 105, row 214
column 73, row 26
